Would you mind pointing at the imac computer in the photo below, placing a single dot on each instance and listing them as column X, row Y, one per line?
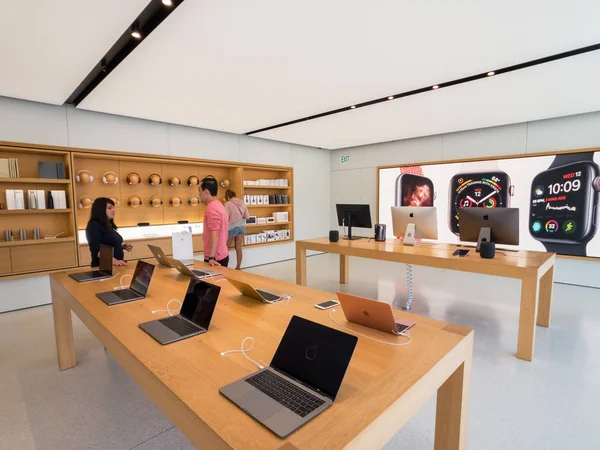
column 497, row 225
column 414, row 222
column 354, row 216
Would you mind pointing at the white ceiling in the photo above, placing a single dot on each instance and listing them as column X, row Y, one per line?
column 48, row 47
column 559, row 88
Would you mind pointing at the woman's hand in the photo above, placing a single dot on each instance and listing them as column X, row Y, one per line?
column 119, row 262
column 127, row 247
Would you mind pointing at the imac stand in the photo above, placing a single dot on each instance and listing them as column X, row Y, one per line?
column 349, row 236
column 409, row 235
column 485, row 235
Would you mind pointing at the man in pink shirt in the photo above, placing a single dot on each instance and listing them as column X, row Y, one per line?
column 216, row 222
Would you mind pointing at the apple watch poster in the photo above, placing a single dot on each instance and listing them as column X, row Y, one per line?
column 558, row 197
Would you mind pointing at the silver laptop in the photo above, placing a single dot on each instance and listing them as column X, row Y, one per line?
column 249, row 291
column 302, row 381
column 104, row 271
column 137, row 289
column 194, row 273
column 162, row 258
column 194, row 318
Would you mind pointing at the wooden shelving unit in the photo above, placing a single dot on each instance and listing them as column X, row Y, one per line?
column 267, row 225
column 32, row 180
column 41, row 241
column 279, row 188
column 281, row 241
column 15, row 212
column 270, row 206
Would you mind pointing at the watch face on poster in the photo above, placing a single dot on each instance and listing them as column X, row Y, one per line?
column 414, row 190
column 563, row 203
column 477, row 190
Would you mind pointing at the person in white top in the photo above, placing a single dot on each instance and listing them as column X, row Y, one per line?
column 238, row 213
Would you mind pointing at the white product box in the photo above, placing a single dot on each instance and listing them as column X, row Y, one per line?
column 259, row 200
column 253, row 199
column 265, row 199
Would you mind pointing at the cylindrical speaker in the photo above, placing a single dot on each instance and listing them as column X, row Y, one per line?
column 334, row 236
column 380, row 232
column 487, row 250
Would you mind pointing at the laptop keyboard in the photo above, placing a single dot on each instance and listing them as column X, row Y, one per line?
column 127, row 294
column 179, row 326
column 269, row 297
column 284, row 392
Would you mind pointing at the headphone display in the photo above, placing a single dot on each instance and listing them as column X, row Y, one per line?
column 110, row 178
column 85, row 177
column 175, row 201
column 155, row 179
column 85, row 202
column 193, row 181
column 115, row 201
column 174, row 181
column 156, row 201
column 193, row 201
column 134, row 201
column 133, row 178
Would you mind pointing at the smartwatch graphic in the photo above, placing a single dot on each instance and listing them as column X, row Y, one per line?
column 563, row 211
column 414, row 189
column 483, row 185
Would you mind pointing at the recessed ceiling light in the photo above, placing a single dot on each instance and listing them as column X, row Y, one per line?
column 390, row 97
column 135, row 32
column 435, row 86
column 489, row 74
column 352, row 107
column 167, row 2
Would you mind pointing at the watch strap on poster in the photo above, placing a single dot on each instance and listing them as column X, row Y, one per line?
column 566, row 158
column 566, row 249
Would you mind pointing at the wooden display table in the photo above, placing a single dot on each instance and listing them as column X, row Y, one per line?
column 383, row 388
column 534, row 269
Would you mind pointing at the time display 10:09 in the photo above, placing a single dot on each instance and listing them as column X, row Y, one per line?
column 567, row 186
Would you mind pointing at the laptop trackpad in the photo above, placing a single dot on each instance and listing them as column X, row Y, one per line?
column 258, row 404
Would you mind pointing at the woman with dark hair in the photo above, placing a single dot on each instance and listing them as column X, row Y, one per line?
column 101, row 229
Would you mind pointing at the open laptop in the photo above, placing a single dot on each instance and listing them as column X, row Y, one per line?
column 104, row 271
column 302, row 381
column 372, row 314
column 194, row 273
column 137, row 289
column 163, row 260
column 249, row 291
column 194, row 318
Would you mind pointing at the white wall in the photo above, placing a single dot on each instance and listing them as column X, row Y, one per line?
column 355, row 181
column 22, row 121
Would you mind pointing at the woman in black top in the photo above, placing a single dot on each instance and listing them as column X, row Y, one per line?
column 101, row 229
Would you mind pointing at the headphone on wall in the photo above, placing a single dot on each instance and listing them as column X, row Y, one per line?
column 193, row 201
column 82, row 179
column 174, row 181
column 115, row 201
column 193, row 181
column 153, row 201
column 105, row 180
column 175, row 201
column 152, row 179
column 133, row 178
column 85, row 202
column 134, row 201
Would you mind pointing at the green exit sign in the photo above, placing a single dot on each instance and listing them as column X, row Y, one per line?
column 345, row 159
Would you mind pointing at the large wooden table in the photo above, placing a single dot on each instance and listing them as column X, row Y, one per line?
column 383, row 387
column 534, row 269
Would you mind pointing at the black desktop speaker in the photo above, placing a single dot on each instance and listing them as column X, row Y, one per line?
column 380, row 232
column 487, row 250
column 334, row 236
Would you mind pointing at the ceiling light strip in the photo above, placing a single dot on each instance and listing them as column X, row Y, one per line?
column 479, row 76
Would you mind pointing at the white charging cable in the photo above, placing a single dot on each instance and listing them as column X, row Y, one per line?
column 244, row 350
column 283, row 300
column 171, row 312
column 406, row 334
column 121, row 282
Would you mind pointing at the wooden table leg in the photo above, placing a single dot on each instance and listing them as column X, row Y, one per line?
column 344, row 269
column 300, row 265
column 63, row 330
column 545, row 301
column 527, row 317
column 452, row 407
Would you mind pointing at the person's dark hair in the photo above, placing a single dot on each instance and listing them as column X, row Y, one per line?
column 229, row 194
column 209, row 182
column 98, row 213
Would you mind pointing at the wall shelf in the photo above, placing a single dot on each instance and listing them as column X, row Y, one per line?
column 268, row 206
column 35, row 242
column 282, row 241
column 264, row 225
column 9, row 212
column 285, row 188
column 34, row 181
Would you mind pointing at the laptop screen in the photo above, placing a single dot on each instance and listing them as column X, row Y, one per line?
column 199, row 302
column 106, row 257
column 141, row 277
column 315, row 354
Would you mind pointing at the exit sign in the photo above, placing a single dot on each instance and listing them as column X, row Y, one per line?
column 345, row 159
